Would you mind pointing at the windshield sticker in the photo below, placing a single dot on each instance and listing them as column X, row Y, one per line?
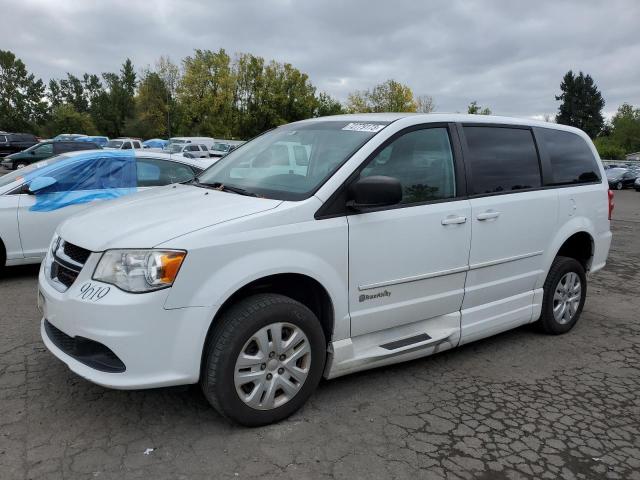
column 364, row 127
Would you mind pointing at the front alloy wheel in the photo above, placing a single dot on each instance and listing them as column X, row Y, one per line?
column 272, row 367
column 263, row 359
column 619, row 186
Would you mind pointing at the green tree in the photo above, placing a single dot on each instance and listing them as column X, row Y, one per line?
column 22, row 105
column 113, row 106
column 206, row 93
column 327, row 105
column 475, row 109
column 65, row 118
column 608, row 149
column 625, row 128
column 150, row 119
column 390, row 96
column 582, row 103
column 169, row 72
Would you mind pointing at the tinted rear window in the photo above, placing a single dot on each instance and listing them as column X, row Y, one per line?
column 571, row 158
column 502, row 159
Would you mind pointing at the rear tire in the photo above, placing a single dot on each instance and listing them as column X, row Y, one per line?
column 20, row 165
column 619, row 186
column 252, row 377
column 565, row 291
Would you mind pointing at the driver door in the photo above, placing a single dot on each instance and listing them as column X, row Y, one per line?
column 408, row 262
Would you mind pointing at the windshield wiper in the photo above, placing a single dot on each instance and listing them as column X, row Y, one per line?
column 223, row 188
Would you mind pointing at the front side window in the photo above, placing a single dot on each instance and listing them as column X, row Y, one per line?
column 502, row 159
column 268, row 165
column 136, row 144
column 422, row 161
column 571, row 158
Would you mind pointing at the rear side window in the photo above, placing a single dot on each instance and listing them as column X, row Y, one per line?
column 154, row 173
column 502, row 159
column 571, row 158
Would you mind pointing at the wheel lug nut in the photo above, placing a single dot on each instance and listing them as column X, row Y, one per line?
column 263, row 366
column 272, row 354
column 282, row 357
column 281, row 371
column 269, row 376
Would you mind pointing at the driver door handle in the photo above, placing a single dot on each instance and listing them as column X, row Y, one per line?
column 453, row 220
column 488, row 215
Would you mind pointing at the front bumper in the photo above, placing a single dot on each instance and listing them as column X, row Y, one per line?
column 158, row 346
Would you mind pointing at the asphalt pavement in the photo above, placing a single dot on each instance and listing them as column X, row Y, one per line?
column 518, row 405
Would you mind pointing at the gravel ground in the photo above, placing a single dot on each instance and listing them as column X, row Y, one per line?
column 518, row 405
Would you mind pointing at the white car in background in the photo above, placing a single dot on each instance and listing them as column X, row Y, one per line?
column 189, row 150
column 36, row 198
column 124, row 144
column 208, row 141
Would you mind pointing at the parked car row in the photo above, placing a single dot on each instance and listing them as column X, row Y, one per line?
column 619, row 177
column 44, row 150
column 15, row 142
column 191, row 147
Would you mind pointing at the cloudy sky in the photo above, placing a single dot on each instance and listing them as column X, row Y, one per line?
column 509, row 55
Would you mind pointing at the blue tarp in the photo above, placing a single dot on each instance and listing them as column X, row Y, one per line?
column 83, row 178
column 155, row 143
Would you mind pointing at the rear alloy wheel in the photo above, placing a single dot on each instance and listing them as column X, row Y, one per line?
column 619, row 186
column 263, row 360
column 565, row 291
column 21, row 165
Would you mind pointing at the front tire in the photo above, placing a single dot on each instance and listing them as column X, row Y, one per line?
column 565, row 291
column 263, row 360
column 619, row 186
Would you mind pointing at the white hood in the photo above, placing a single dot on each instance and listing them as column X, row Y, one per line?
column 146, row 219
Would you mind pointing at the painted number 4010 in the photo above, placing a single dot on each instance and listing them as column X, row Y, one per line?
column 94, row 293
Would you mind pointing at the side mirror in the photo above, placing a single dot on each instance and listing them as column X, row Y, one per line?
column 374, row 192
column 40, row 183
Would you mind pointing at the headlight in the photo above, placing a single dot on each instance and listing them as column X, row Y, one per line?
column 139, row 270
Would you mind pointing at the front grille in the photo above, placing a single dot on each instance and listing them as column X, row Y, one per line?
column 67, row 262
column 89, row 352
column 65, row 275
column 75, row 253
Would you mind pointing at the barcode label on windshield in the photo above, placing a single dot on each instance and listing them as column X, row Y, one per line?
column 364, row 127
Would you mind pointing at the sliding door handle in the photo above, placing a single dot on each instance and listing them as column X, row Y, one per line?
column 488, row 215
column 453, row 220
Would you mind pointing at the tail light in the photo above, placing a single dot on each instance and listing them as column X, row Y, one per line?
column 611, row 203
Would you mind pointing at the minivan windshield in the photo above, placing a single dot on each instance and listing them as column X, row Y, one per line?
column 290, row 162
column 114, row 143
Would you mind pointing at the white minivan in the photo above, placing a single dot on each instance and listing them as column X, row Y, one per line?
column 399, row 236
